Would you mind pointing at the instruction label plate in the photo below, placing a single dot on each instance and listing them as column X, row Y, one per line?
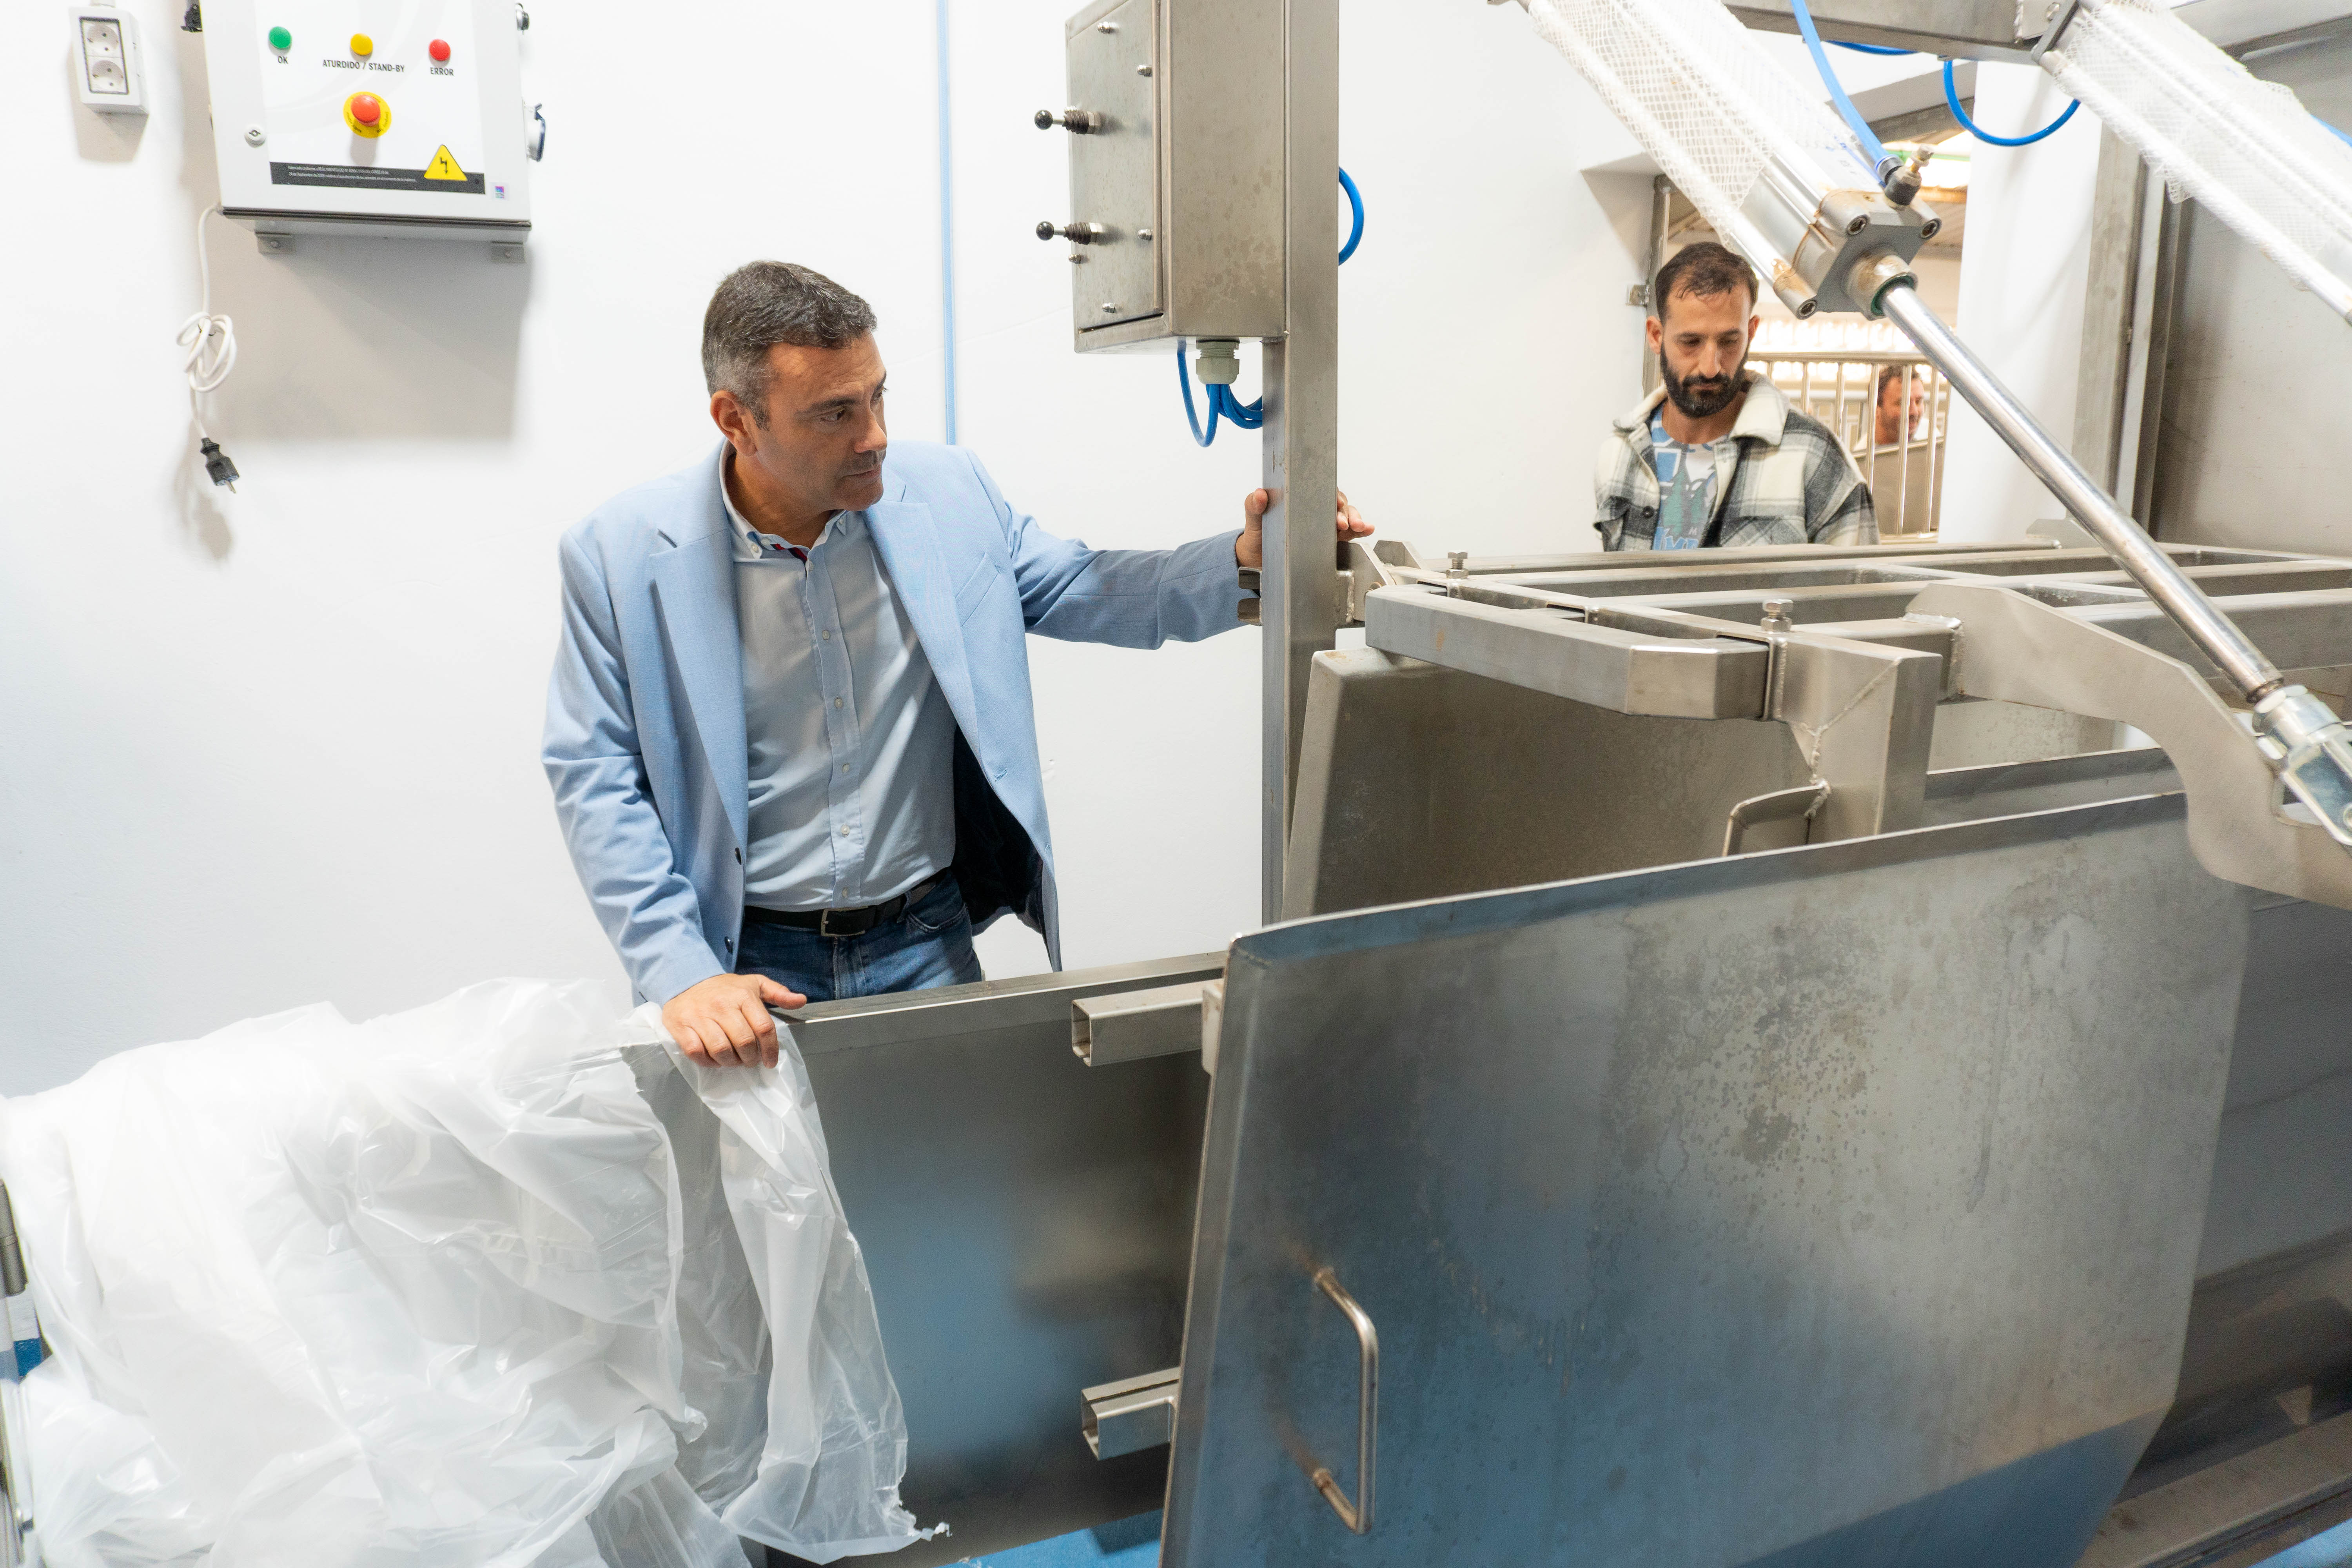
column 368, row 179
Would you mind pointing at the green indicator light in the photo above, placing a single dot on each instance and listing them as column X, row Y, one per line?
column 281, row 39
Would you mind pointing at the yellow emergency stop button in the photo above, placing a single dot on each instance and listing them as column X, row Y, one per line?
column 367, row 114
column 363, row 46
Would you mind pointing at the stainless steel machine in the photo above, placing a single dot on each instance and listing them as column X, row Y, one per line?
column 1789, row 1057
column 1782, row 1039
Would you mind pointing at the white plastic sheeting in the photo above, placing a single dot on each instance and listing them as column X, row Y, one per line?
column 2245, row 148
column 498, row 1281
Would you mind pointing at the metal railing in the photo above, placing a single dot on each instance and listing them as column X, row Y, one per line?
column 1840, row 388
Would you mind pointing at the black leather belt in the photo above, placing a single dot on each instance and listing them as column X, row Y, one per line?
column 844, row 922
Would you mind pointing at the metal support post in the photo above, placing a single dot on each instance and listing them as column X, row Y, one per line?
column 1296, row 600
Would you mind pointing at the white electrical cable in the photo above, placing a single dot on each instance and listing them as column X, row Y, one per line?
column 210, row 341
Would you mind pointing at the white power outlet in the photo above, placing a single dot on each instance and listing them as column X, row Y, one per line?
column 108, row 73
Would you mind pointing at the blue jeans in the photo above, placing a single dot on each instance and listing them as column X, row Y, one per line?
column 930, row 944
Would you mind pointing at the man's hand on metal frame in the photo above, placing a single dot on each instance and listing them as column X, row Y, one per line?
column 1249, row 549
column 723, row 1022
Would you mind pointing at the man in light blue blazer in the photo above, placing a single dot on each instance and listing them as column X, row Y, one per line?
column 789, row 729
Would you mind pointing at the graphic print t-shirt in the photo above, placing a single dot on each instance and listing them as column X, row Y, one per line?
column 1686, row 488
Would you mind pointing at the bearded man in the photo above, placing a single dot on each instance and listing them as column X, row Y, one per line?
column 1716, row 457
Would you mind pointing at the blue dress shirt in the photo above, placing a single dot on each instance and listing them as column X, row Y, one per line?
column 850, row 742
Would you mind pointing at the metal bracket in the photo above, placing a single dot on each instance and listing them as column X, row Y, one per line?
column 1799, row 805
column 1131, row 1415
column 1131, row 1026
column 1375, row 563
column 2050, row 34
column 2019, row 649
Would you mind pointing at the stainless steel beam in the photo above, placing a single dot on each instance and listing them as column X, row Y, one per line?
column 1131, row 1415
column 1863, row 716
column 1301, row 434
column 2232, row 1504
column 902, row 1016
column 1981, row 29
column 1988, row 29
column 1799, row 555
column 2302, row 631
column 1129, row 1026
column 1626, row 673
column 2110, row 299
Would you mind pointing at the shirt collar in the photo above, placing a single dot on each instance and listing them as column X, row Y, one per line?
column 1763, row 417
column 751, row 544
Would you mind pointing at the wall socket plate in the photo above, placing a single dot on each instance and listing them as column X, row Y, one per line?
column 110, row 67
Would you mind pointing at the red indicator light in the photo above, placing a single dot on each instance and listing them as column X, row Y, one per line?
column 439, row 49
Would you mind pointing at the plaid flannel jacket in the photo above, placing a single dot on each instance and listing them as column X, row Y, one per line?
column 1793, row 482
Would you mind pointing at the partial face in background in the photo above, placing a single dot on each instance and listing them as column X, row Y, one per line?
column 1701, row 341
column 1890, row 407
column 821, row 440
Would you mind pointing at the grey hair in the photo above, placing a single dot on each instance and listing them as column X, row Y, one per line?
column 763, row 303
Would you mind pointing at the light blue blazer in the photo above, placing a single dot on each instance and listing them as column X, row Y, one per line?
column 645, row 741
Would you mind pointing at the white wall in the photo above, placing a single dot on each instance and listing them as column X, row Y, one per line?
column 263, row 749
column 2021, row 298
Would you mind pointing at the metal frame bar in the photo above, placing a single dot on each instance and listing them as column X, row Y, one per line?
column 1300, row 439
column 1855, row 651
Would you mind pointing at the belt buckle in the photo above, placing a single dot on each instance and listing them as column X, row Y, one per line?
column 824, row 926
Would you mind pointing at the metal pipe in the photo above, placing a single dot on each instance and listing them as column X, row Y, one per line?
column 2254, row 675
column 1903, row 479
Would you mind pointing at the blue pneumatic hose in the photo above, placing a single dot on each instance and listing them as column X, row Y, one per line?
column 1871, row 48
column 1222, row 401
column 1870, row 146
column 1952, row 102
column 1355, row 205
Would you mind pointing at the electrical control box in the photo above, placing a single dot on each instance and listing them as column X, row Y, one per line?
column 110, row 72
column 1175, row 123
column 389, row 118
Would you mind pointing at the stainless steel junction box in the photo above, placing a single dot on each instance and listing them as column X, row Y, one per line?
column 1176, row 129
column 1753, row 1075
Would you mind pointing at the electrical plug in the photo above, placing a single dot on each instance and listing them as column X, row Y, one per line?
column 217, row 464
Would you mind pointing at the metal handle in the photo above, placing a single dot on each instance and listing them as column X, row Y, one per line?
column 1357, row 1516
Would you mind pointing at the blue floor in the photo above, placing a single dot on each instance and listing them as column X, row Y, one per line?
column 2329, row 1549
column 1134, row 1544
column 1129, row 1543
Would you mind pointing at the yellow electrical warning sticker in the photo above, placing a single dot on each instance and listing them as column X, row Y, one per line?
column 444, row 167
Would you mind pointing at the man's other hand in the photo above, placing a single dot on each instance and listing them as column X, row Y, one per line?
column 1249, row 549
column 723, row 1022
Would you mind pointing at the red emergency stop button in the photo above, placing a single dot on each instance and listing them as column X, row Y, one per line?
column 439, row 49
column 366, row 114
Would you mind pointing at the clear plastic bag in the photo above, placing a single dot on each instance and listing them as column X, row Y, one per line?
column 497, row 1281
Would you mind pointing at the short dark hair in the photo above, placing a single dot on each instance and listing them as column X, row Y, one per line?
column 1705, row 272
column 1884, row 376
column 763, row 303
